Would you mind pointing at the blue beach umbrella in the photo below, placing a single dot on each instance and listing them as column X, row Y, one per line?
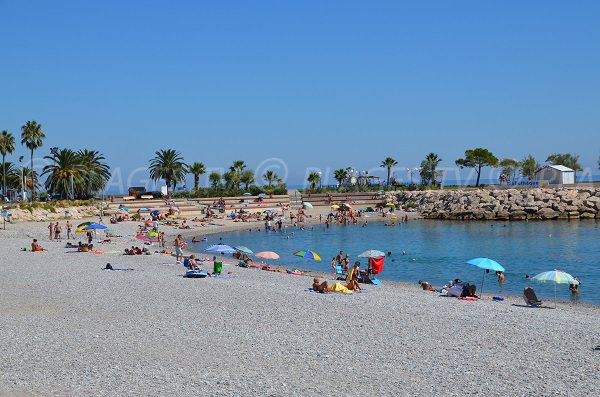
column 155, row 213
column 221, row 248
column 556, row 277
column 486, row 264
column 95, row 226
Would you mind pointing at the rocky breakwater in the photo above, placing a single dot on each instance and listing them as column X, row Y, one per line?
column 509, row 204
column 48, row 214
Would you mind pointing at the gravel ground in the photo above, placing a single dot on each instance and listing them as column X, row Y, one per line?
column 68, row 328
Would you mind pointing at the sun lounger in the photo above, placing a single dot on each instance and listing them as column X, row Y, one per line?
column 147, row 197
column 530, row 298
column 127, row 198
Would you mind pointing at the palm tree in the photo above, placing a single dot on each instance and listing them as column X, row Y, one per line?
column 32, row 137
column 247, row 178
column 7, row 146
column 64, row 172
column 428, row 168
column 197, row 169
column 529, row 167
column 270, row 177
column 236, row 169
column 9, row 173
column 29, row 182
column 95, row 173
column 388, row 163
column 340, row 175
column 168, row 165
column 313, row 178
column 215, row 179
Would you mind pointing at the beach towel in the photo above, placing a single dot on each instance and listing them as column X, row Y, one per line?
column 377, row 265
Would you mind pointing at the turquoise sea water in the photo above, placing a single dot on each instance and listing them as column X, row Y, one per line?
column 436, row 251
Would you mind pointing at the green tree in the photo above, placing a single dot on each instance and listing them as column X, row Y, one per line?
column 215, row 179
column 232, row 180
column 388, row 164
column 64, row 172
column 169, row 166
column 340, row 176
column 509, row 168
column 32, row 137
column 270, row 177
column 570, row 160
column 529, row 167
column 95, row 173
column 7, row 146
column 197, row 169
column 428, row 169
column 477, row 159
column 313, row 179
column 247, row 178
column 237, row 169
column 9, row 173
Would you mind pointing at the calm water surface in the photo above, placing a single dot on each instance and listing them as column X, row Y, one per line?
column 436, row 251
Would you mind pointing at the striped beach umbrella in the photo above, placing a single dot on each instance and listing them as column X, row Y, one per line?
column 555, row 277
column 308, row 254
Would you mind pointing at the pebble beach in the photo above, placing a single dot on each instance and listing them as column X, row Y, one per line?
column 69, row 328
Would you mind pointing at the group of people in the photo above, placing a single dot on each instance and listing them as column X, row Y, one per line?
column 55, row 230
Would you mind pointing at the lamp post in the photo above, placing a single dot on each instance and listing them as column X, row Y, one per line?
column 411, row 171
column 22, row 184
column 320, row 180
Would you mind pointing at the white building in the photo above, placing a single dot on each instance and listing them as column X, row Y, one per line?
column 556, row 175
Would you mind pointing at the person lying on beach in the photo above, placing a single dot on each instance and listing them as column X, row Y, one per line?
column 35, row 247
column 336, row 287
column 426, row 286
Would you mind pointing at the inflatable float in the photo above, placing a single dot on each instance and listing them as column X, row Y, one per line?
column 196, row 274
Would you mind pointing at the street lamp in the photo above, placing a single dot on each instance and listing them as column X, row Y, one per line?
column 320, row 180
column 411, row 171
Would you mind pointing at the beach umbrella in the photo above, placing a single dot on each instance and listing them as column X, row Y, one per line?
column 307, row 205
column 221, row 248
column 95, row 226
column 335, row 206
column 243, row 249
column 262, row 195
column 390, row 204
column 123, row 208
column 347, row 205
column 486, row 264
column 308, row 254
column 84, row 224
column 155, row 213
column 556, row 277
column 372, row 254
column 247, row 194
column 270, row 212
column 267, row 255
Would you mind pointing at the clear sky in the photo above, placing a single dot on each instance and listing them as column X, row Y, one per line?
column 323, row 84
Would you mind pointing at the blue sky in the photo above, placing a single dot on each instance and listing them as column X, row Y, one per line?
column 319, row 84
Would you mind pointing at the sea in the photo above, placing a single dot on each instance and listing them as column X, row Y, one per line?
column 437, row 251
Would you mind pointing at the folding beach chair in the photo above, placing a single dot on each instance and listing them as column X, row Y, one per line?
column 530, row 298
column 340, row 273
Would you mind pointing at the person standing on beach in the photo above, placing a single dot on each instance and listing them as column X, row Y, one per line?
column 70, row 230
column 51, row 228
column 500, row 277
column 179, row 249
column 57, row 231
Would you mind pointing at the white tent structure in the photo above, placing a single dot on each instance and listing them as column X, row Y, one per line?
column 556, row 175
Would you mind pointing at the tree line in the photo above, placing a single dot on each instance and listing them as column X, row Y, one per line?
column 77, row 174
column 169, row 165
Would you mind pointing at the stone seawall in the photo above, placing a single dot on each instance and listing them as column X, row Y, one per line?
column 509, row 204
column 43, row 215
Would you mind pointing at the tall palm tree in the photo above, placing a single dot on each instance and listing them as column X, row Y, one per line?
column 9, row 173
column 313, row 178
column 32, row 137
column 7, row 146
column 168, row 165
column 388, row 163
column 340, row 175
column 65, row 171
column 270, row 177
column 197, row 169
column 247, row 178
column 95, row 173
